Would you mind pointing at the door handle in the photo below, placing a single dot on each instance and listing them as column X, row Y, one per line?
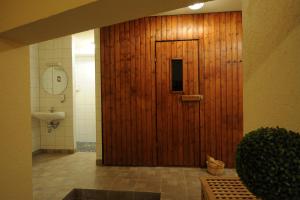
column 188, row 98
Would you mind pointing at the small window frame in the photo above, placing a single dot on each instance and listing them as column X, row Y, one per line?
column 171, row 77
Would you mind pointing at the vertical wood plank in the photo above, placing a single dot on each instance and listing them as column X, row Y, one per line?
column 185, row 113
column 196, row 82
column 159, row 103
column 174, row 25
column 207, row 75
column 163, row 53
column 139, row 152
column 153, row 91
column 142, row 83
column 179, row 27
column 223, row 87
column 133, row 95
column 229, row 89
column 148, row 90
column 202, row 68
column 164, row 131
column 175, row 98
column 164, row 28
column 144, row 131
column 170, row 97
column 112, row 91
column 169, row 28
column 240, row 74
column 190, row 80
column 169, row 136
column 235, row 107
column 190, row 106
column 159, row 121
column 174, row 108
column 181, row 133
column 118, row 143
column 124, row 136
column 212, row 60
column 128, row 94
column 168, row 102
column 218, row 85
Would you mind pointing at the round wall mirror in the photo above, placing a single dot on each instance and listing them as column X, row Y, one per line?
column 54, row 80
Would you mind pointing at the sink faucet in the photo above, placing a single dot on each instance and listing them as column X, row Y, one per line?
column 52, row 109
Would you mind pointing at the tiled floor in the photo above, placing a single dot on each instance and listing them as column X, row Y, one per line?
column 86, row 146
column 54, row 175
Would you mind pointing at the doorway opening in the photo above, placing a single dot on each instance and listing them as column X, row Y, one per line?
column 83, row 58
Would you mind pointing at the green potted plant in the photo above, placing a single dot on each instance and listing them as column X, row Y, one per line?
column 268, row 163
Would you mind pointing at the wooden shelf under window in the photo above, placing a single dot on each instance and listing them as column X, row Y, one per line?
column 191, row 97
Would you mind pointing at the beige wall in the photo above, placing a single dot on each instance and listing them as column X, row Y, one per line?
column 15, row 143
column 32, row 10
column 271, row 63
column 57, row 51
column 35, row 96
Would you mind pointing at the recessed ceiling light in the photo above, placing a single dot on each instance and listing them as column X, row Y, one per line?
column 196, row 6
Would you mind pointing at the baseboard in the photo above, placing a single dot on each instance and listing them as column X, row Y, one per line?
column 62, row 151
column 99, row 162
column 37, row 152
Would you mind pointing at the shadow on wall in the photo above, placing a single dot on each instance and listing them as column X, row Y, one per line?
column 7, row 45
column 279, row 19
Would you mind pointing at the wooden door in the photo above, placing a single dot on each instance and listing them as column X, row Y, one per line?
column 178, row 102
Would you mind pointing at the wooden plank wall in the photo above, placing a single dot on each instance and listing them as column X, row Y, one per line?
column 129, row 92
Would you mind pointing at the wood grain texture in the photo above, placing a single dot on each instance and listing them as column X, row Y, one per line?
column 132, row 82
column 172, row 140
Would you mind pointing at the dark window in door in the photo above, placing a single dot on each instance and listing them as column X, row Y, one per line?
column 177, row 76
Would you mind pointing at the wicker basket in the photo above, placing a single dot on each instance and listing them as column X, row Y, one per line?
column 215, row 167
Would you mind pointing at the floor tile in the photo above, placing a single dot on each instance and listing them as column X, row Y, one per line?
column 55, row 175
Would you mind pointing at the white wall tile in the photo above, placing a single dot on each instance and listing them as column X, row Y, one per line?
column 58, row 51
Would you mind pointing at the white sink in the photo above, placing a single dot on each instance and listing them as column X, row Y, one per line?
column 49, row 116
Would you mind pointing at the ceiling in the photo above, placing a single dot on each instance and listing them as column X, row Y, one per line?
column 99, row 13
column 209, row 7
